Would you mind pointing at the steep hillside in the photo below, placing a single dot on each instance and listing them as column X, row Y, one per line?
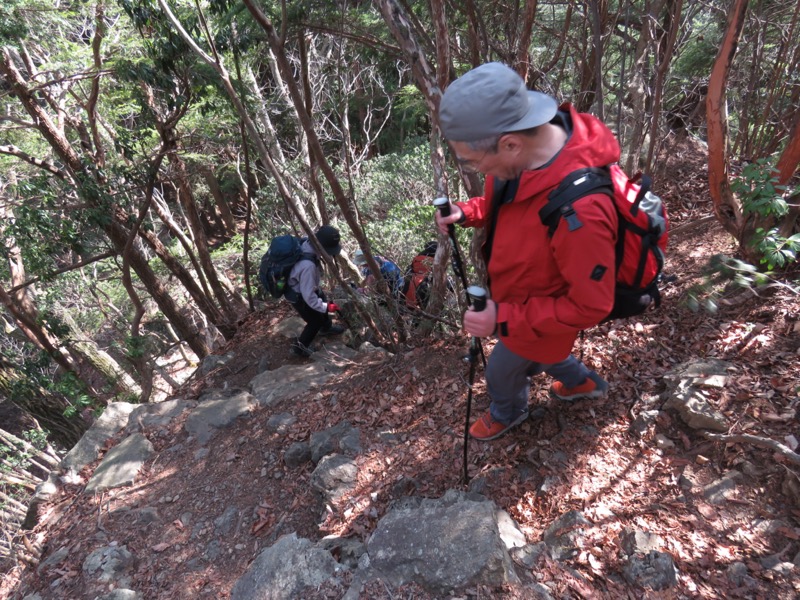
column 590, row 456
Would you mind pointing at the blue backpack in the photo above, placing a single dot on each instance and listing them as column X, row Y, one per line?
column 393, row 275
column 276, row 265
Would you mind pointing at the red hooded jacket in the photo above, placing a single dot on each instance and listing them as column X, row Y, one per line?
column 548, row 289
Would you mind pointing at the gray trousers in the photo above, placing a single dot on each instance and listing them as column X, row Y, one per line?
column 508, row 380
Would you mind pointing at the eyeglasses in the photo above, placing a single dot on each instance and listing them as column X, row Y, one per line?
column 471, row 165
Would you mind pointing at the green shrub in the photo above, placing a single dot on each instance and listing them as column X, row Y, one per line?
column 761, row 195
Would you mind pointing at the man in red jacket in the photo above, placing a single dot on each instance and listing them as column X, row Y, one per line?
column 543, row 290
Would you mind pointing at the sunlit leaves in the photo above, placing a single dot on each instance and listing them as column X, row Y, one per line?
column 758, row 189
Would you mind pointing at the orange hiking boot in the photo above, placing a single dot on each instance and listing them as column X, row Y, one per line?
column 486, row 428
column 592, row 387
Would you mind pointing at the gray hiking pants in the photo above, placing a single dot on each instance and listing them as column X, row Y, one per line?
column 508, row 380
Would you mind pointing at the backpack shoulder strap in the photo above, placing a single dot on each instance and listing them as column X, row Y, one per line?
column 309, row 256
column 579, row 183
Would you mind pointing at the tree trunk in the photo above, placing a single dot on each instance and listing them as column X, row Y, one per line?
column 673, row 14
column 186, row 330
column 43, row 406
column 523, row 65
column 725, row 205
column 101, row 361
column 89, row 192
column 639, row 98
column 219, row 201
column 790, row 157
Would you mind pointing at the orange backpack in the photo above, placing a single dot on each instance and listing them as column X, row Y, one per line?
column 417, row 287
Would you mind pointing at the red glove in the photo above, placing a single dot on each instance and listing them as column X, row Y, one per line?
column 332, row 308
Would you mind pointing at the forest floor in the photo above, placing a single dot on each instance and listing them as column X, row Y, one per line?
column 615, row 477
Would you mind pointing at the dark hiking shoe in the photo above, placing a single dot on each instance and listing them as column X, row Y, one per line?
column 332, row 330
column 299, row 349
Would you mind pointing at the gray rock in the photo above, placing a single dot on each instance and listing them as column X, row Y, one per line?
column 655, row 570
column 634, row 541
column 776, row 563
column 643, row 422
column 281, row 423
column 663, row 442
column 225, row 523
column 528, row 554
column 156, row 415
column 349, row 550
column 111, row 422
column 717, row 491
column 213, row 550
column 738, row 575
column 540, row 592
column 334, row 476
column 53, row 560
column 147, row 516
column 686, row 396
column 288, row 381
column 405, row 486
column 549, row 483
column 212, row 361
column 689, row 478
column 564, row 536
column 342, row 437
column 426, row 544
column 121, row 594
column 296, row 455
column 110, row 564
column 285, row 570
column 217, row 412
column 289, row 328
column 121, row 465
column 694, row 409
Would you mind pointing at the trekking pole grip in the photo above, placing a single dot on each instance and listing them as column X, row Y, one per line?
column 478, row 297
column 445, row 208
column 442, row 205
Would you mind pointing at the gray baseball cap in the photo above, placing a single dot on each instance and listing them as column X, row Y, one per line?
column 490, row 100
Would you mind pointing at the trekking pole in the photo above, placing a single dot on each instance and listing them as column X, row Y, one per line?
column 443, row 206
column 478, row 297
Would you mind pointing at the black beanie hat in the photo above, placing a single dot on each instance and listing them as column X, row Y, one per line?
column 329, row 237
column 430, row 249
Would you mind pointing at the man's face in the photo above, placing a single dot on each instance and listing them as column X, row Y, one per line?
column 499, row 162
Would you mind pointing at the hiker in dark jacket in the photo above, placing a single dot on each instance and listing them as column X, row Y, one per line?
column 388, row 269
column 543, row 290
column 306, row 295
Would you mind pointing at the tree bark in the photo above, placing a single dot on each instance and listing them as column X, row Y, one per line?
column 87, row 187
column 790, row 157
column 45, row 407
column 219, row 200
column 673, row 15
column 186, row 330
column 725, row 206
column 639, row 98
column 523, row 65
